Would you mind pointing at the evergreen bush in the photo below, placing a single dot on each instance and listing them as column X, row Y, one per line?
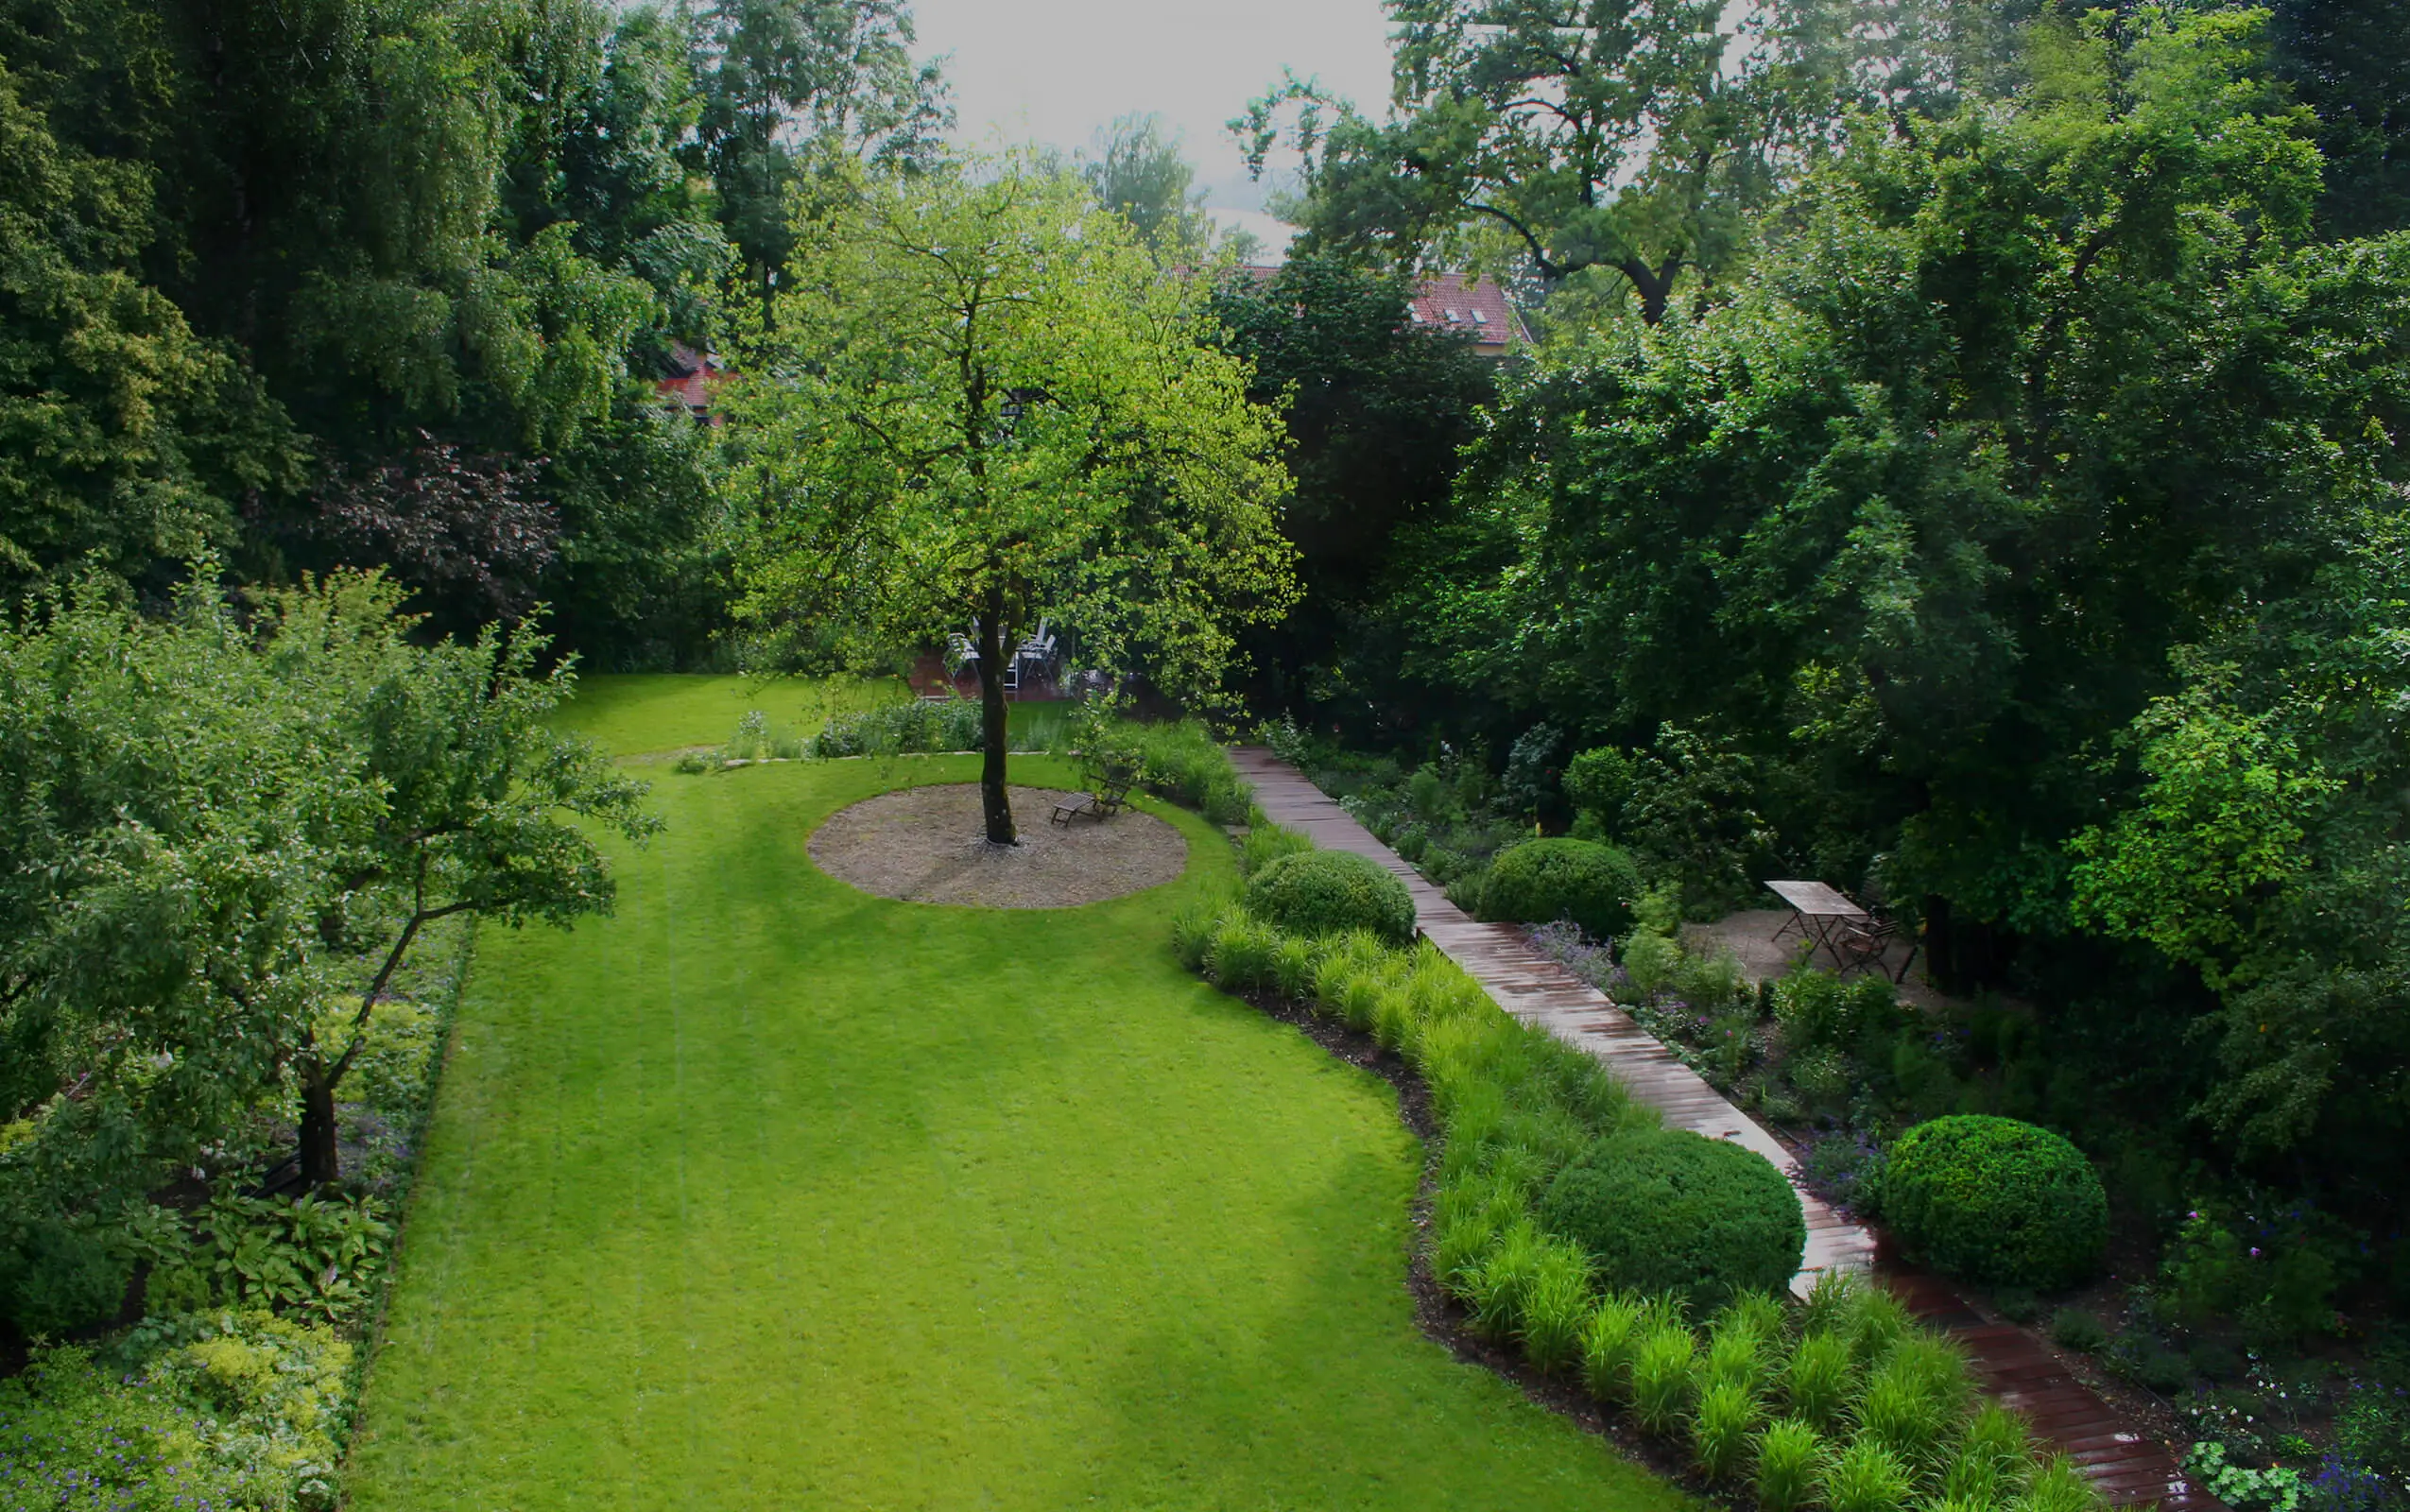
column 1541, row 881
column 1666, row 1209
column 1996, row 1201
column 1323, row 892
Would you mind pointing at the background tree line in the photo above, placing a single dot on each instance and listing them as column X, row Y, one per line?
column 386, row 283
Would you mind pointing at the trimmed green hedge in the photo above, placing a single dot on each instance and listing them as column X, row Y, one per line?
column 1325, row 892
column 1997, row 1201
column 1670, row 1211
column 1541, row 881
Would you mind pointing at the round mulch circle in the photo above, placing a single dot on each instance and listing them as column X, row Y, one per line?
column 928, row 845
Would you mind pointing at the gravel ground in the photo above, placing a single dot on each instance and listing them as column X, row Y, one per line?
column 928, row 845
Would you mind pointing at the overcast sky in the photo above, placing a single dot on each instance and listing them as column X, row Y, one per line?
column 1053, row 71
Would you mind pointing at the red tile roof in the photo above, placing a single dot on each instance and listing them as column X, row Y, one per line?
column 696, row 375
column 1450, row 301
column 1453, row 303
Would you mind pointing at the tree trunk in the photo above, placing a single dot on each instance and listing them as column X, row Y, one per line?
column 322, row 1159
column 992, row 797
column 1654, row 286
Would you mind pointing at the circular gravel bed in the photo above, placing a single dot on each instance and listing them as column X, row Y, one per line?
column 928, row 845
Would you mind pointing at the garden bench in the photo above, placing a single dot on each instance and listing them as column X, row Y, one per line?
column 1110, row 796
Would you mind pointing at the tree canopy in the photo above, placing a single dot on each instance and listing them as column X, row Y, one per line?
column 984, row 407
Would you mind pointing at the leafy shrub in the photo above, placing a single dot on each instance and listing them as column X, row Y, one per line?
column 1996, row 1200
column 2080, row 1330
column 1788, row 1453
column 2277, row 1488
column 2279, row 1284
column 1666, row 1209
column 1538, row 881
column 75, row 1435
column 1321, row 892
column 1818, row 1009
column 1723, row 1428
column 2372, row 1430
column 56, row 1276
column 1864, row 1477
column 1663, row 1377
column 1842, row 1165
column 1265, row 844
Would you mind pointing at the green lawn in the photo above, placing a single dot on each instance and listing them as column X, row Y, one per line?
column 766, row 1193
column 641, row 712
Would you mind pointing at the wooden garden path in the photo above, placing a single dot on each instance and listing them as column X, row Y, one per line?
column 2127, row 1466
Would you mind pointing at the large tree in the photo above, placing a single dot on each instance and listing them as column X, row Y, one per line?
column 983, row 405
column 1632, row 136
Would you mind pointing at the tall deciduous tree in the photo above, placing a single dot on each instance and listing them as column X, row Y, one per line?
column 789, row 83
column 1634, row 136
column 988, row 405
column 1138, row 172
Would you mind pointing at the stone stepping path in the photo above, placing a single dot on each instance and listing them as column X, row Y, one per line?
column 2127, row 1467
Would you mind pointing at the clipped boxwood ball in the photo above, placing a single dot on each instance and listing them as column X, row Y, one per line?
column 1322, row 892
column 1541, row 881
column 1669, row 1211
column 1997, row 1201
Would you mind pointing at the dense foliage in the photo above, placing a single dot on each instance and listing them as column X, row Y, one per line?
column 1996, row 1200
column 1324, row 892
column 2018, row 545
column 388, row 285
column 219, row 831
column 1541, row 881
column 1670, row 1211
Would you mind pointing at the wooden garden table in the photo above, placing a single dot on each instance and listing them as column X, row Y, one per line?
column 1820, row 913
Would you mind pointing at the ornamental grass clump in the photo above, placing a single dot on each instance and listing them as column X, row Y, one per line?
column 1556, row 1306
column 2056, row 1485
column 1609, row 1339
column 1819, row 1380
column 1499, row 1284
column 1895, row 1412
column 1240, row 958
column 1863, row 1476
column 1663, row 1377
column 1723, row 1430
column 1292, row 966
column 1789, row 1454
column 1735, row 1357
column 1467, row 1218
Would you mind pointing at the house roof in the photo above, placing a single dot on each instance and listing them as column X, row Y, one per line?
column 1453, row 301
column 692, row 376
column 1475, row 306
